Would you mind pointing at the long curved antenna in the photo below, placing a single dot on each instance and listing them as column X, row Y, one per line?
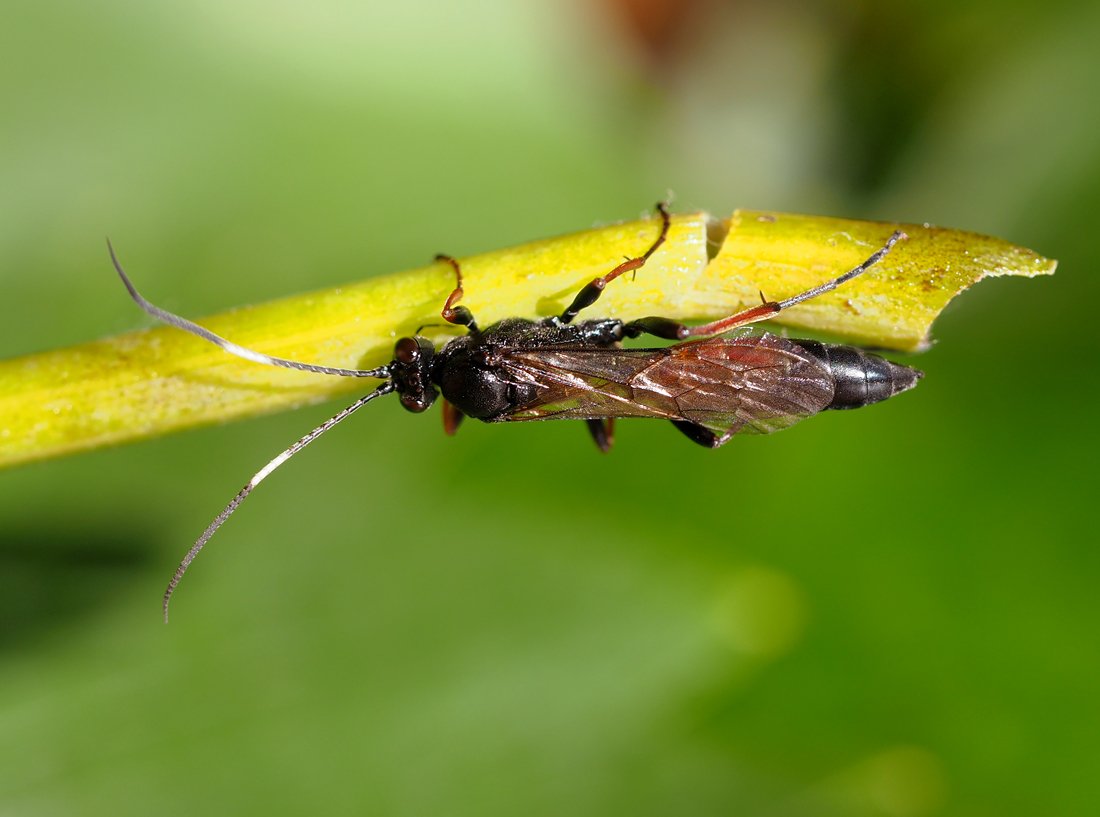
column 829, row 286
column 227, row 345
column 385, row 388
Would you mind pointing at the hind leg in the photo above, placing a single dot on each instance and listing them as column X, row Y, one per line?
column 603, row 433
column 697, row 434
column 674, row 330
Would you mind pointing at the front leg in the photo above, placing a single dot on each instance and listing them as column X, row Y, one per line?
column 459, row 315
column 452, row 418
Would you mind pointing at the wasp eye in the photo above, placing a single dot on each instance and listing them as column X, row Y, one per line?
column 407, row 350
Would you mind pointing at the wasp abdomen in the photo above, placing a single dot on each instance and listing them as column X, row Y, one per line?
column 860, row 377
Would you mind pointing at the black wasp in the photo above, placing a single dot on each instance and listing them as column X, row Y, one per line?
column 518, row 369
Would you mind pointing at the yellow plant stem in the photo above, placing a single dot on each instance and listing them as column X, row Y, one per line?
column 149, row 382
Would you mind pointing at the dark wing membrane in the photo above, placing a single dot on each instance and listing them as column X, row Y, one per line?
column 752, row 383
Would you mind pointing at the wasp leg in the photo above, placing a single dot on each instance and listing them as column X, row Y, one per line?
column 452, row 418
column 674, row 330
column 459, row 315
column 697, row 434
column 591, row 291
column 603, row 433
column 605, row 333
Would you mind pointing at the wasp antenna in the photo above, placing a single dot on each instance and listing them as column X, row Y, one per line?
column 665, row 328
column 829, row 286
column 259, row 477
column 248, row 354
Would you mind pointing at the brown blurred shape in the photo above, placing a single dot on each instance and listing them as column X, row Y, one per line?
column 655, row 27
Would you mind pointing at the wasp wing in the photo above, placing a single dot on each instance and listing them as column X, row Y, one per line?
column 758, row 383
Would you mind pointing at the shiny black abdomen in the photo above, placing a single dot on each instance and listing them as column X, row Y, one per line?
column 861, row 378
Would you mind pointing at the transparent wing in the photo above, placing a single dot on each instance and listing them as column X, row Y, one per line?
column 756, row 383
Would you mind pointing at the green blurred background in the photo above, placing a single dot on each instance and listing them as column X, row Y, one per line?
column 888, row 612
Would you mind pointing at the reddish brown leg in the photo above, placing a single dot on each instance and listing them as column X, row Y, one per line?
column 603, row 433
column 459, row 315
column 674, row 330
column 452, row 417
column 591, row 291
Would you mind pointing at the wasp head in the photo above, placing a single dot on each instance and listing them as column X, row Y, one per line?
column 410, row 373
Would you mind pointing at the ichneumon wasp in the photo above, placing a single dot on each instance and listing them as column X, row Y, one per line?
column 711, row 385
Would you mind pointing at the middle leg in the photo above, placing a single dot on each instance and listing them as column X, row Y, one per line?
column 591, row 291
column 603, row 432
